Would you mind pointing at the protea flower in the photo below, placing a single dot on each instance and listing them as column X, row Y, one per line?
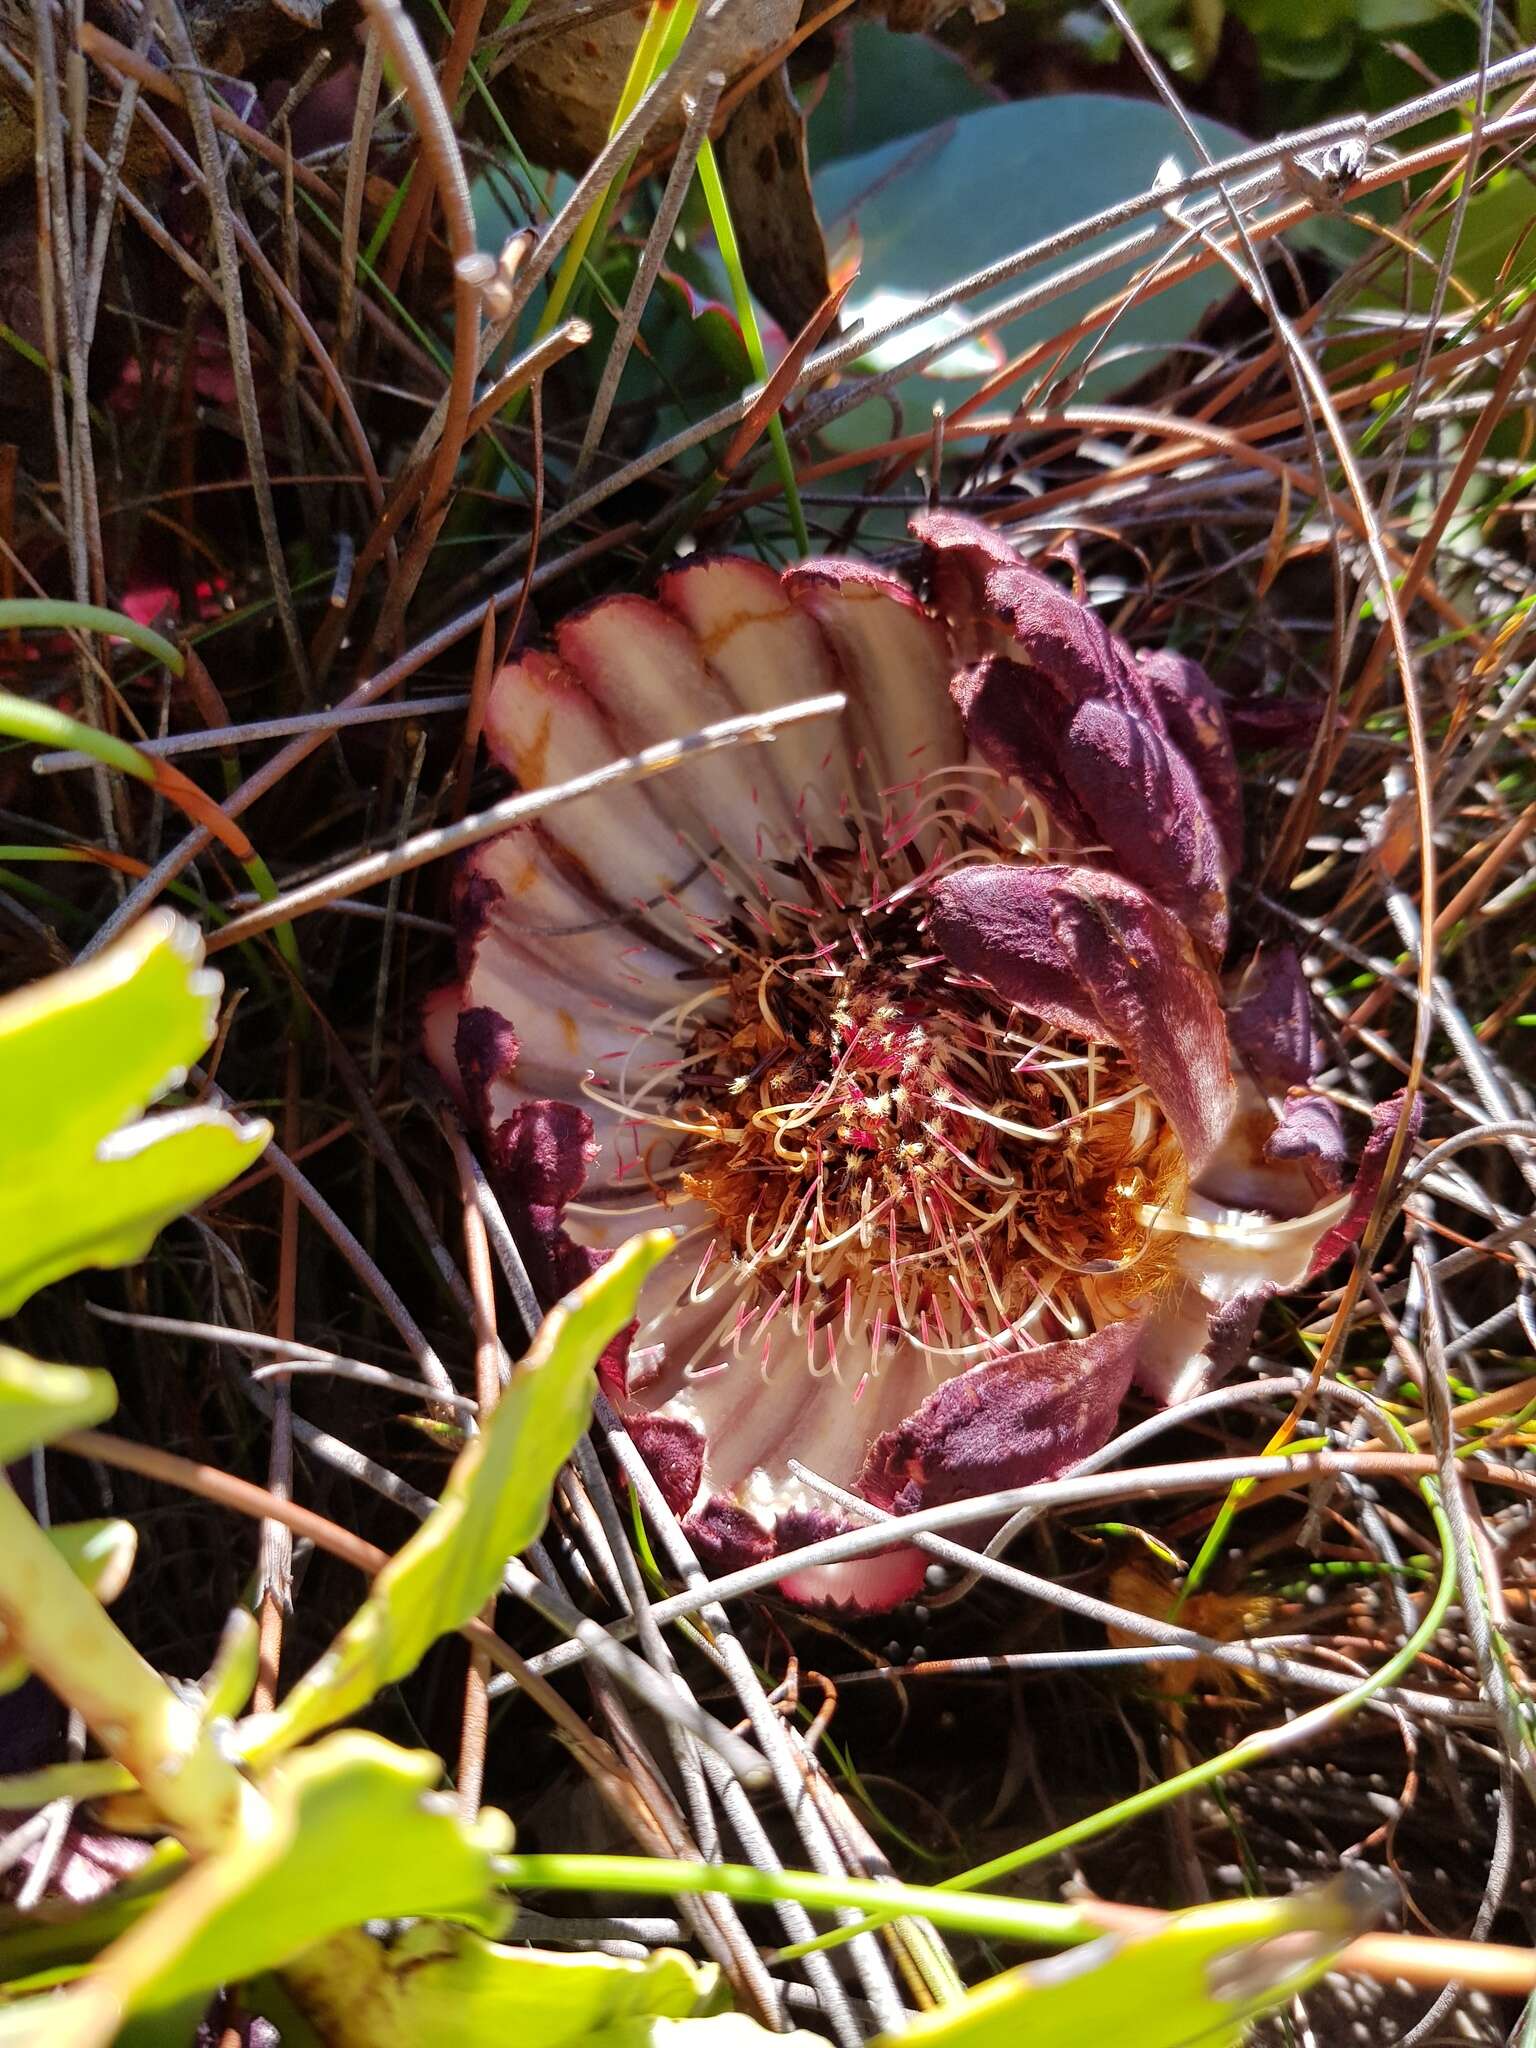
column 912, row 1028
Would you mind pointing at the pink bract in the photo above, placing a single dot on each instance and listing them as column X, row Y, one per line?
column 912, row 1025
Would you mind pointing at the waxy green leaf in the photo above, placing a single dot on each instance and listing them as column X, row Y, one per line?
column 100, row 1554
column 1196, row 1981
column 39, row 1402
column 81, row 1054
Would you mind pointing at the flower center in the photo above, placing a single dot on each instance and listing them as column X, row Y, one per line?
column 881, row 1142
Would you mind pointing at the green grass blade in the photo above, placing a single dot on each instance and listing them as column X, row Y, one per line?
column 746, row 314
column 59, row 615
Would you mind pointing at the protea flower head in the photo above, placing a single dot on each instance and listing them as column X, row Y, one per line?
column 912, row 1026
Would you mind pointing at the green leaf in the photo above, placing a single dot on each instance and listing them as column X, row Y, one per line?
column 1197, row 1982
column 362, row 1833
column 493, row 1506
column 350, row 1830
column 100, row 1554
column 79, row 1054
column 1390, row 17
column 1497, row 224
column 885, row 85
column 225, row 1690
column 39, row 1402
column 232, row 1678
column 924, row 210
column 58, row 615
column 438, row 1983
column 716, row 2030
column 91, row 1778
column 66, row 1639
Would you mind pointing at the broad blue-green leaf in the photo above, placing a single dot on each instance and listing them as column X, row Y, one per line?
column 39, row 1402
column 1196, row 1982
column 81, row 1053
column 886, row 85
column 927, row 209
column 100, row 1554
column 440, row 1983
column 494, row 1505
column 1495, row 251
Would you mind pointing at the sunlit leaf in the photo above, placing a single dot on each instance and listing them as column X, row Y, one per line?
column 100, row 1554
column 716, row 2030
column 924, row 209
column 440, row 1983
column 885, row 85
column 226, row 1689
column 52, row 1621
column 350, row 1830
column 40, row 1402
column 232, row 1678
column 1196, row 1982
column 82, row 1053
column 27, row 2023
column 493, row 1506
column 1495, row 250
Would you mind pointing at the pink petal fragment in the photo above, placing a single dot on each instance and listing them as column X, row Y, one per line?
column 1197, row 725
column 999, row 924
column 485, row 1050
column 439, row 1022
column 538, row 1159
column 726, row 1537
column 565, row 1031
column 85, row 1866
column 864, row 1585
column 1261, row 725
column 1234, row 1324
column 979, row 581
column 1385, row 1118
column 1009, row 1423
column 524, row 892
column 674, row 1451
column 1109, row 776
column 1092, row 953
column 543, row 727
column 545, row 1147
